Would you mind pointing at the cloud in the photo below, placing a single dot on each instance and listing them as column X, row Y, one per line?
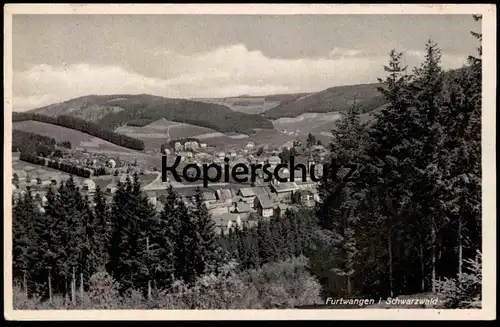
column 227, row 71
column 346, row 53
column 447, row 60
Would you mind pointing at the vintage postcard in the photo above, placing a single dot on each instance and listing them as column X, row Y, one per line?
column 238, row 162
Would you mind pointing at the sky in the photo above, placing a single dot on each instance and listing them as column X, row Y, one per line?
column 60, row 57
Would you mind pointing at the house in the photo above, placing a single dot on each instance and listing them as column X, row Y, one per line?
column 306, row 185
column 318, row 148
column 191, row 145
column 19, row 176
column 305, row 197
column 45, row 179
column 284, row 191
column 219, row 210
column 274, row 160
column 152, row 198
column 287, row 145
column 264, row 206
column 209, row 198
column 224, row 196
column 203, row 145
column 44, row 201
column 40, row 208
column 111, row 163
column 31, row 177
column 229, row 220
column 88, row 185
column 29, row 168
column 111, row 187
column 241, row 207
column 246, row 194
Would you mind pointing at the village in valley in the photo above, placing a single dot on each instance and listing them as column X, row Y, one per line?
column 230, row 204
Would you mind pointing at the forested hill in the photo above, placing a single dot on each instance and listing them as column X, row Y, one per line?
column 332, row 99
column 112, row 111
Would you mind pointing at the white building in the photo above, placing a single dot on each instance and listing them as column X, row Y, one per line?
column 111, row 163
column 88, row 185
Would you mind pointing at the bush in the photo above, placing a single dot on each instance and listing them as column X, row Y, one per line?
column 103, row 291
column 279, row 285
column 225, row 290
column 285, row 284
column 464, row 292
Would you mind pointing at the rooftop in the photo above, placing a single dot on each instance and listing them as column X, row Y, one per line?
column 247, row 192
column 265, row 202
column 209, row 196
column 242, row 207
column 285, row 187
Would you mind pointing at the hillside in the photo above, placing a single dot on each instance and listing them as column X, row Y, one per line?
column 253, row 104
column 79, row 140
column 329, row 100
column 158, row 132
column 113, row 111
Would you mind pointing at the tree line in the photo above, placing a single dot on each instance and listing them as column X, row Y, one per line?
column 285, row 235
column 411, row 217
column 62, row 166
column 33, row 143
column 84, row 126
column 77, row 236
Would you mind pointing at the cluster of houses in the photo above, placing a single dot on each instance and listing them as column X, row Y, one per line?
column 40, row 180
column 229, row 204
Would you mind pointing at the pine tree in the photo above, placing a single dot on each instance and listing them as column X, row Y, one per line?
column 387, row 172
column 167, row 236
column 340, row 198
column 427, row 93
column 25, row 216
column 266, row 244
column 101, row 237
column 145, row 236
column 208, row 259
column 122, row 246
column 70, row 233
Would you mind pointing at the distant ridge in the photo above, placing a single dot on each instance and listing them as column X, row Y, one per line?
column 113, row 111
column 332, row 99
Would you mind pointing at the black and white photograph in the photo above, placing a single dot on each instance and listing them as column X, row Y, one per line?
column 251, row 160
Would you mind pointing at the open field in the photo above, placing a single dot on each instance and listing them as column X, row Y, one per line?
column 307, row 123
column 161, row 128
column 248, row 105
